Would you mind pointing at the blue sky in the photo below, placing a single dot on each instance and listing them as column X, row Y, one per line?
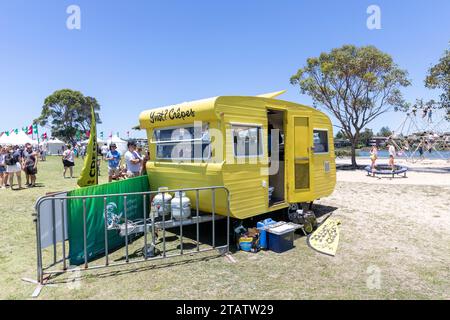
column 135, row 55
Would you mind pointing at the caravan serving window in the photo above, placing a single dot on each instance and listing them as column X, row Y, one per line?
column 183, row 143
column 247, row 140
column 320, row 141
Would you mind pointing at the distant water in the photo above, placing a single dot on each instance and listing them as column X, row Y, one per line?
column 427, row 155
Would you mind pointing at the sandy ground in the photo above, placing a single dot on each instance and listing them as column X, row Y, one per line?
column 424, row 173
column 394, row 244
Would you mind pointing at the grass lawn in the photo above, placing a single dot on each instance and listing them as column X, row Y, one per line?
column 410, row 258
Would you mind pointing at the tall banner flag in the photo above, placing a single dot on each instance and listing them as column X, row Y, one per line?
column 89, row 174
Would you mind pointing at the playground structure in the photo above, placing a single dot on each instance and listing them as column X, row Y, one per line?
column 418, row 134
column 386, row 170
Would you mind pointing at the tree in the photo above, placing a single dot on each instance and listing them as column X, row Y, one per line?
column 384, row 132
column 356, row 84
column 340, row 135
column 439, row 78
column 365, row 137
column 67, row 112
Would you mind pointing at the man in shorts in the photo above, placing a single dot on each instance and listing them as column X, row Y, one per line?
column 133, row 160
column 113, row 157
column 29, row 164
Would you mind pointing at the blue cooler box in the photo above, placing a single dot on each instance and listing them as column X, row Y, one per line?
column 263, row 239
column 281, row 237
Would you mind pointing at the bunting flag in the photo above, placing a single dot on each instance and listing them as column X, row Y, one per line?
column 89, row 174
column 35, row 129
column 101, row 135
column 30, row 130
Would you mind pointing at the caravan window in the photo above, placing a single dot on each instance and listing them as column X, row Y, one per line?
column 320, row 141
column 183, row 143
column 247, row 140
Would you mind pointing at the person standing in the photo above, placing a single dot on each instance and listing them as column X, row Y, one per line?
column 13, row 162
column 113, row 158
column 133, row 160
column 3, row 175
column 373, row 157
column 29, row 163
column 104, row 150
column 145, row 159
column 68, row 161
column 392, row 154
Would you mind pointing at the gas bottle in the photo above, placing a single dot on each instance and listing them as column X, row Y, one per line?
column 162, row 207
column 185, row 210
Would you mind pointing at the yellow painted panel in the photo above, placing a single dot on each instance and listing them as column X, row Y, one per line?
column 247, row 182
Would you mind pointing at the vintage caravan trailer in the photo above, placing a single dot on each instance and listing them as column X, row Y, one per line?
column 270, row 154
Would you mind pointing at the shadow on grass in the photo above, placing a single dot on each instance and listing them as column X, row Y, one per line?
column 53, row 279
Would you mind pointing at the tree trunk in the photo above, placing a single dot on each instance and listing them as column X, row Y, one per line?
column 354, row 164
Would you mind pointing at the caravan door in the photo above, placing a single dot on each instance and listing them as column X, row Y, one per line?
column 300, row 147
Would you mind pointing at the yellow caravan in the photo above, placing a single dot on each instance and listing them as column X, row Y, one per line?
column 270, row 154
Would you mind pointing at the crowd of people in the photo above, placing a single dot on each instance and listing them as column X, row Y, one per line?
column 18, row 160
column 14, row 161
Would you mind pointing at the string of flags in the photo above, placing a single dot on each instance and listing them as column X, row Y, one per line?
column 79, row 135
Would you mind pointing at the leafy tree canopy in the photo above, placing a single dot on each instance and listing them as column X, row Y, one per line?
column 439, row 78
column 384, row 132
column 356, row 84
column 67, row 112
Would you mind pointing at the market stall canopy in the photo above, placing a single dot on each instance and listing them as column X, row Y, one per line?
column 54, row 146
column 122, row 145
column 19, row 139
column 5, row 140
column 99, row 142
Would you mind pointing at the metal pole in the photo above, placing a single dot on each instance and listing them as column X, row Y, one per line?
column 181, row 222
column 152, row 214
column 228, row 220
column 85, row 234
column 164, row 225
column 54, row 230
column 213, row 217
column 145, row 225
column 105, row 212
column 40, row 276
column 63, row 226
column 126, row 228
column 197, row 201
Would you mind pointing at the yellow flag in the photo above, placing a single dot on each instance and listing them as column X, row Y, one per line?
column 89, row 174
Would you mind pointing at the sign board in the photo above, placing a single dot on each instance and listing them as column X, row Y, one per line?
column 50, row 220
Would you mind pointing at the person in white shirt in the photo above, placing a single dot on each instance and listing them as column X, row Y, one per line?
column 133, row 160
column 392, row 154
column 68, row 160
column 104, row 149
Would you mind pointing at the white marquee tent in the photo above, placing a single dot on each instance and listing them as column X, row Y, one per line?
column 53, row 146
column 122, row 145
column 19, row 139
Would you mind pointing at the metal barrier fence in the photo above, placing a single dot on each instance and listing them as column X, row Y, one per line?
column 58, row 202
